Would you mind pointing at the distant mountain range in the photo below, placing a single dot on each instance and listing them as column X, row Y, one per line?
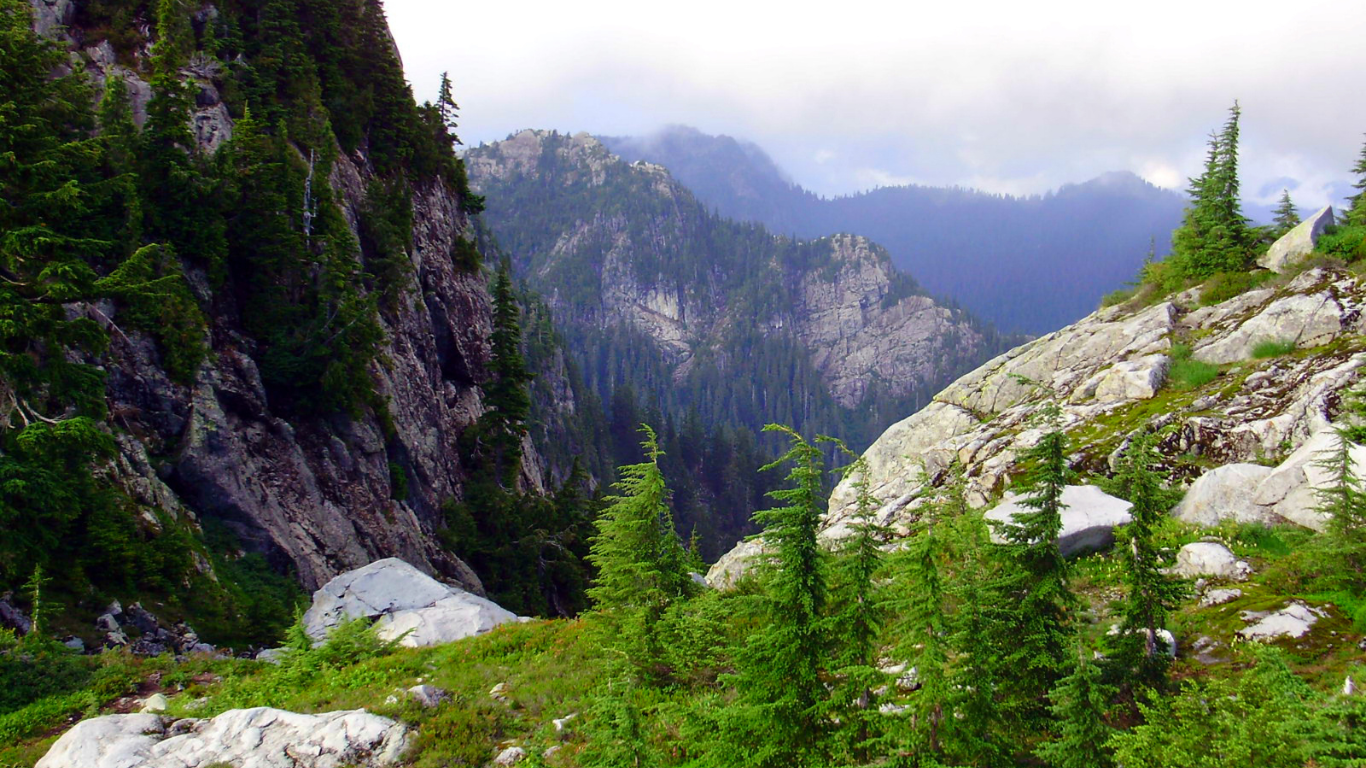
column 1027, row 264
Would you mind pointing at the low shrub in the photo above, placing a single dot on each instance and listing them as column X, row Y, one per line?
column 1345, row 242
column 1226, row 285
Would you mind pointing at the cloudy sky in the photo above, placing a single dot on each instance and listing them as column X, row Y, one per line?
column 1015, row 97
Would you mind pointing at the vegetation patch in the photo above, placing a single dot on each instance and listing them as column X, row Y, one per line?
column 1187, row 373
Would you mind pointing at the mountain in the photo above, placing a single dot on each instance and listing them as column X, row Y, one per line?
column 700, row 324
column 251, row 346
column 1026, row 264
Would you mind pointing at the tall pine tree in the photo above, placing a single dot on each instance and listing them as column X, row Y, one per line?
column 1287, row 216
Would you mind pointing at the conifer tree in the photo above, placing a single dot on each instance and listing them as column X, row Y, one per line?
column 1356, row 213
column 858, row 623
column 780, row 710
column 1287, row 217
column 1149, row 593
column 1034, row 590
column 506, row 394
column 640, row 562
column 1214, row 235
column 1343, row 501
column 1078, row 705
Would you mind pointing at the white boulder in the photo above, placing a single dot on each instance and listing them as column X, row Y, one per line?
column 428, row 695
column 1215, row 597
column 1209, row 558
column 252, row 738
column 1291, row 490
column 1298, row 242
column 510, row 756
column 1293, row 621
column 1225, row 493
column 1088, row 520
column 403, row 600
column 733, row 565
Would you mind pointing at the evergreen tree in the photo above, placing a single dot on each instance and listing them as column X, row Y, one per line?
column 1342, row 500
column 1078, row 705
column 1149, row 593
column 858, row 623
column 640, row 562
column 506, row 395
column 1356, row 213
column 1034, row 589
column 1287, row 217
column 446, row 107
column 1214, row 235
column 779, row 713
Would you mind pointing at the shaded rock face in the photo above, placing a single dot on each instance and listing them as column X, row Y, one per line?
column 1089, row 518
column 313, row 494
column 1298, row 242
column 260, row 737
column 409, row 605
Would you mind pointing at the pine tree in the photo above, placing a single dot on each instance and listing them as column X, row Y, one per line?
column 1342, row 500
column 1287, row 217
column 1034, row 590
column 1078, row 705
column 858, row 623
column 1356, row 213
column 506, row 394
column 1149, row 593
column 640, row 562
column 779, row 711
column 1214, row 235
column 446, row 107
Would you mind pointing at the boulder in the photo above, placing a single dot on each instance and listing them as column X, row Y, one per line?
column 13, row 618
column 1298, row 242
column 1219, row 596
column 1088, row 520
column 405, row 602
column 1290, row 490
column 156, row 703
column 259, row 737
column 510, row 756
column 428, row 695
column 1130, row 379
column 1225, row 493
column 733, row 565
column 1209, row 558
column 1293, row 621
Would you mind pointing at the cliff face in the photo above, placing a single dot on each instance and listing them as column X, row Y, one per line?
column 316, row 494
column 613, row 244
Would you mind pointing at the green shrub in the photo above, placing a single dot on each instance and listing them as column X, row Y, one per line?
column 1118, row 296
column 1186, row 373
column 1226, row 285
column 1272, row 348
column 1345, row 242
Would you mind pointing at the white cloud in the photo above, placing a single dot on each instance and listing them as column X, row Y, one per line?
column 1017, row 93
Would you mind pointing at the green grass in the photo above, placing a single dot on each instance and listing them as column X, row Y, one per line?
column 1225, row 285
column 1187, row 373
column 1272, row 348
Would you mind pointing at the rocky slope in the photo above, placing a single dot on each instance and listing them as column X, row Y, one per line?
column 617, row 244
column 316, row 494
column 1257, row 417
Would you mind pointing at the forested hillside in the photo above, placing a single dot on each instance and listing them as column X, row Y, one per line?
column 711, row 328
column 1000, row 256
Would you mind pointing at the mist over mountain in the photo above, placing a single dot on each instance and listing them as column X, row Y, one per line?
column 1000, row 256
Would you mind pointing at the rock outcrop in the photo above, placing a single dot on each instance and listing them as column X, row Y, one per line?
column 1089, row 518
column 1102, row 371
column 1298, row 242
column 407, row 604
column 1293, row 621
column 254, row 738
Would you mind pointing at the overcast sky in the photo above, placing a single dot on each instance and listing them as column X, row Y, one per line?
column 1014, row 97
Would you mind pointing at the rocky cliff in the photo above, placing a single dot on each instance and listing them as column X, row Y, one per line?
column 323, row 493
column 611, row 243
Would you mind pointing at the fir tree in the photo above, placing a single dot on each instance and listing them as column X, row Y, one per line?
column 446, row 107
column 1214, row 235
column 779, row 712
column 1356, row 212
column 506, row 395
column 858, row 624
column 1342, row 500
column 1287, row 217
column 640, row 562
column 1034, row 590
column 1078, row 705
column 1149, row 593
